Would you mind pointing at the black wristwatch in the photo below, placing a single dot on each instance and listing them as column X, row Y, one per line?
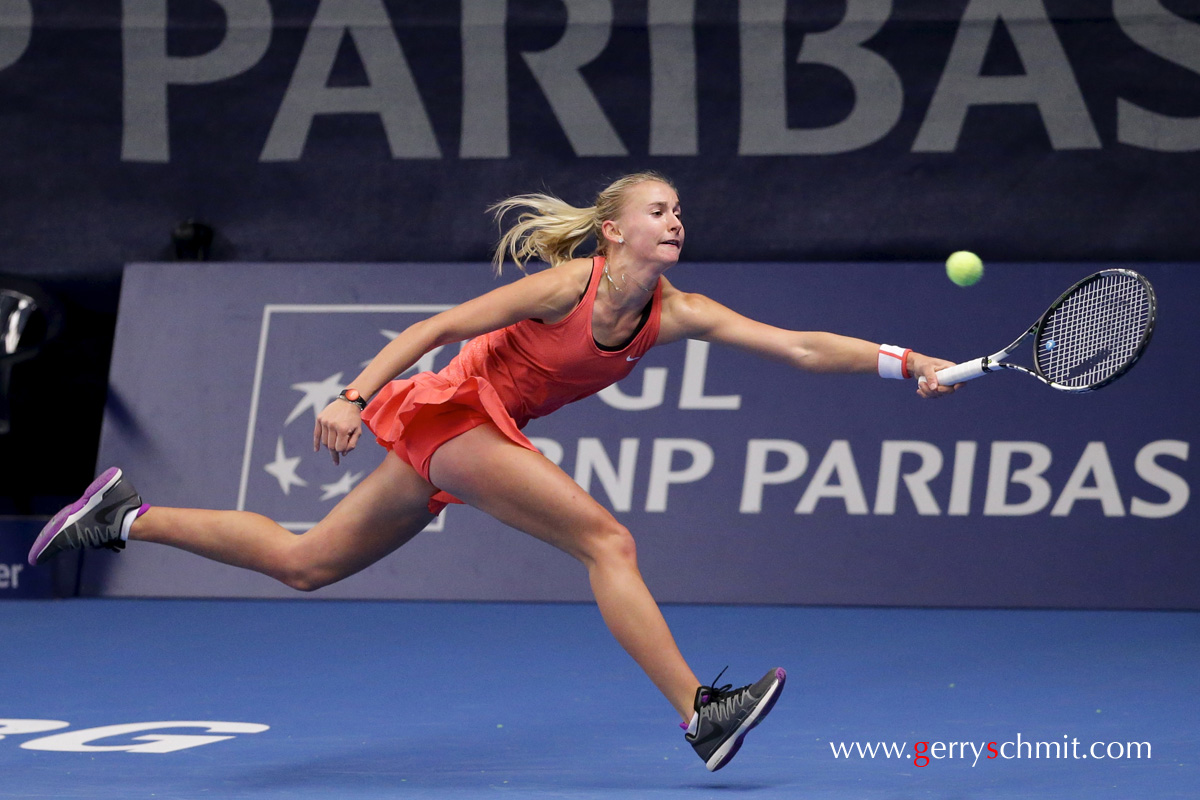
column 351, row 395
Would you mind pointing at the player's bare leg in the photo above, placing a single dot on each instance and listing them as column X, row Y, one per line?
column 386, row 509
column 527, row 491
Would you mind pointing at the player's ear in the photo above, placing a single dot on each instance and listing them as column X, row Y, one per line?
column 611, row 231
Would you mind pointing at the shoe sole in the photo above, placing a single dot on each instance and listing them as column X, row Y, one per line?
column 727, row 751
column 71, row 514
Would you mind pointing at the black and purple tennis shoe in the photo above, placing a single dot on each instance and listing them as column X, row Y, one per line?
column 101, row 518
column 725, row 715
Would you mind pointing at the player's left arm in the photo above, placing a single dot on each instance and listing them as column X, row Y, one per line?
column 695, row 316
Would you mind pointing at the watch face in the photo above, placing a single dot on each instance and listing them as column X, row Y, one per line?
column 352, row 395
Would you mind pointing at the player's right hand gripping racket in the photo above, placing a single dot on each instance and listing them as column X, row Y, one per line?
column 1088, row 338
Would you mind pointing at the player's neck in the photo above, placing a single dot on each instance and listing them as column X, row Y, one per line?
column 627, row 285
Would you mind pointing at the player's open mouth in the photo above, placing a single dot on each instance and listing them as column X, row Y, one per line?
column 672, row 242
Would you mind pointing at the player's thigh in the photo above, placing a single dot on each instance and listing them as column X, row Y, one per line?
column 522, row 489
column 386, row 509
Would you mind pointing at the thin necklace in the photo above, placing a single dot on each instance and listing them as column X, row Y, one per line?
column 624, row 281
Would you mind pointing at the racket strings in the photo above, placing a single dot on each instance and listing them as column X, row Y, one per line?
column 1095, row 332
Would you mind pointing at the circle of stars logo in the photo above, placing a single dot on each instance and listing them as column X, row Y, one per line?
column 285, row 468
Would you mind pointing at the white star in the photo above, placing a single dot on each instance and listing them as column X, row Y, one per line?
column 317, row 395
column 283, row 469
column 341, row 486
column 389, row 335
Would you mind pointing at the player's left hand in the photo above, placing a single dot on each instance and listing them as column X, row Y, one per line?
column 925, row 369
column 338, row 428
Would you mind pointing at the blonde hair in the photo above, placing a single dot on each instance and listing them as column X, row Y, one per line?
column 553, row 229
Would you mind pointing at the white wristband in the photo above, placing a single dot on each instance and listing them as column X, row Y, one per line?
column 893, row 362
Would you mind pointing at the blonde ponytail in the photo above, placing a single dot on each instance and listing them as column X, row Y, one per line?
column 553, row 229
column 550, row 231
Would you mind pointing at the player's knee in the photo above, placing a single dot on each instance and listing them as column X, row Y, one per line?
column 306, row 580
column 613, row 544
column 303, row 574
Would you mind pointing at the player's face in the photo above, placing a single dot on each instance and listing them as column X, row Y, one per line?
column 651, row 223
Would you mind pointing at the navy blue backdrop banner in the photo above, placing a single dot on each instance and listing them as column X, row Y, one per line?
column 17, row 578
column 743, row 481
column 380, row 130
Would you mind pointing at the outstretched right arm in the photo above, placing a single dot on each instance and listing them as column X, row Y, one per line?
column 548, row 295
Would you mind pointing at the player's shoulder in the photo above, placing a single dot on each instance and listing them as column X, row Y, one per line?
column 684, row 314
column 565, row 276
column 685, row 303
column 558, row 288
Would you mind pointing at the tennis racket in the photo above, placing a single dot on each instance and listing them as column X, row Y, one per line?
column 1088, row 338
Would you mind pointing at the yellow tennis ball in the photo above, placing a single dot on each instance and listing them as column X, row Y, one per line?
column 964, row 268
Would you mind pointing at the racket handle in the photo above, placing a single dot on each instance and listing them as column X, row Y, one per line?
column 966, row 371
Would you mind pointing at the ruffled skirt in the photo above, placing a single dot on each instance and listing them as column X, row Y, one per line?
column 416, row 416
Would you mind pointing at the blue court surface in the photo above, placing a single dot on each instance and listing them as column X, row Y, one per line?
column 462, row 700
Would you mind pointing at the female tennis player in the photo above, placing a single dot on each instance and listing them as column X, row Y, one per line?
column 545, row 340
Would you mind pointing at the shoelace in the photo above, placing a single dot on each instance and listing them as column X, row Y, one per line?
column 713, row 691
column 721, row 699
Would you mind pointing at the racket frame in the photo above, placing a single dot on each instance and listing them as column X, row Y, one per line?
column 978, row 367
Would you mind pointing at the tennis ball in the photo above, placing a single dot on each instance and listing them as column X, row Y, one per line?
column 964, row 268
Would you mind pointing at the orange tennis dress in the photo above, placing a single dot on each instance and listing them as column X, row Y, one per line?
column 506, row 377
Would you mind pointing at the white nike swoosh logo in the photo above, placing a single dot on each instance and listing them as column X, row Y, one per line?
column 632, row 358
